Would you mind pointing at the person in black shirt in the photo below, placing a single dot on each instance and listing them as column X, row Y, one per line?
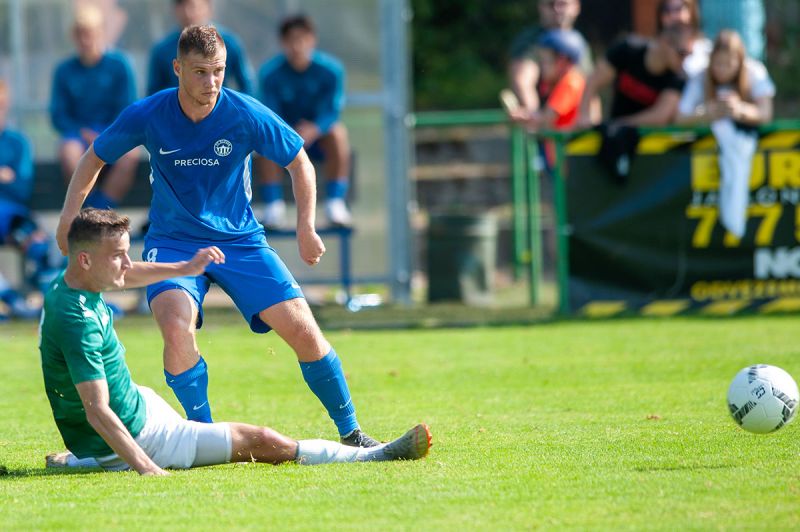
column 647, row 77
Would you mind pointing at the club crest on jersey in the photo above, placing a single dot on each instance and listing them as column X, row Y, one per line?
column 223, row 147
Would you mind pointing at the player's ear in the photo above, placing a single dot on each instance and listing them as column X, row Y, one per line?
column 176, row 67
column 84, row 260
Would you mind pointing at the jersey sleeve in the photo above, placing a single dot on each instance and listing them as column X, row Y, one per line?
column 126, row 133
column 761, row 85
column 329, row 107
column 60, row 106
column 273, row 138
column 81, row 342
column 692, row 95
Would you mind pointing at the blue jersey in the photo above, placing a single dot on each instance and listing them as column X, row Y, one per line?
column 200, row 172
column 161, row 75
column 315, row 95
column 90, row 97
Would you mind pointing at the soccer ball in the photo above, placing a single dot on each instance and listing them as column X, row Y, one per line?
column 762, row 398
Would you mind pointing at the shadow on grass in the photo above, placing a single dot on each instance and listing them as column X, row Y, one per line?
column 6, row 474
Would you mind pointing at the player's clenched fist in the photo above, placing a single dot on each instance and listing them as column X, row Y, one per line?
column 311, row 246
column 203, row 258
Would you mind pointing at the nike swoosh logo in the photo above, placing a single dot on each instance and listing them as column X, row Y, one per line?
column 162, row 152
column 198, row 407
column 345, row 405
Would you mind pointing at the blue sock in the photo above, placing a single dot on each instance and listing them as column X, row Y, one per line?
column 191, row 389
column 336, row 189
column 326, row 379
column 99, row 200
column 271, row 192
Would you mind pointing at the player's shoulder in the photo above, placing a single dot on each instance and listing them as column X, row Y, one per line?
column 327, row 61
column 230, row 38
column 154, row 101
column 272, row 67
column 118, row 60
column 64, row 306
column 247, row 109
column 244, row 104
column 67, row 64
column 14, row 136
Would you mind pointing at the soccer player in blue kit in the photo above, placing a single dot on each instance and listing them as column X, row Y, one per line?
column 200, row 137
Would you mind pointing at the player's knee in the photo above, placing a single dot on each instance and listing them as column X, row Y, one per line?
column 338, row 139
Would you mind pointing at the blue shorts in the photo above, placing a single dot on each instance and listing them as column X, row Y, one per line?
column 253, row 276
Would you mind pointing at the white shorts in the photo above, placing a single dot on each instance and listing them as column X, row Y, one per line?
column 174, row 442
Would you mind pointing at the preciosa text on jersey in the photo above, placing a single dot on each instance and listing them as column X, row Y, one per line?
column 197, row 162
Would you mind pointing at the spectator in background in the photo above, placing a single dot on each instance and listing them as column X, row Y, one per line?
column 89, row 91
column 734, row 94
column 647, row 76
column 305, row 87
column 672, row 12
column 733, row 86
column 161, row 74
column 523, row 71
column 561, row 83
column 747, row 17
column 17, row 228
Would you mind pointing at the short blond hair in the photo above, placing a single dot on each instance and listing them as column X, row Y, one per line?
column 87, row 16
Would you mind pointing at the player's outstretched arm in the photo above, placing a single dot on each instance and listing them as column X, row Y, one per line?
column 304, row 186
column 79, row 187
column 94, row 395
column 145, row 273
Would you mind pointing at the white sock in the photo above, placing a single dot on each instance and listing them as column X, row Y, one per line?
column 74, row 461
column 315, row 452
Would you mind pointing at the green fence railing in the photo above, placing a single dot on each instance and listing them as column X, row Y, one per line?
column 525, row 186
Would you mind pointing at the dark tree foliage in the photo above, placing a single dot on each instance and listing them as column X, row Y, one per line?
column 461, row 46
column 461, row 50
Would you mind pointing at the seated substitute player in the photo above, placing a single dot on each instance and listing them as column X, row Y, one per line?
column 99, row 411
column 305, row 87
column 89, row 91
column 17, row 227
column 200, row 137
column 189, row 13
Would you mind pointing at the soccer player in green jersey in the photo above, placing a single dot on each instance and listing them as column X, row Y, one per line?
column 103, row 415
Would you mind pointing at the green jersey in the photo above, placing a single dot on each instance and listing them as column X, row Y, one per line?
column 78, row 344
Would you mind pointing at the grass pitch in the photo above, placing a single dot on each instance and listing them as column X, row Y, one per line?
column 599, row 425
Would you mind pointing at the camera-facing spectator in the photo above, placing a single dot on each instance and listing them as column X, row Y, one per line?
column 89, row 90
column 733, row 86
column 305, row 87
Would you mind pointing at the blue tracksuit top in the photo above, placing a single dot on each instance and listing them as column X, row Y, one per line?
column 316, row 95
column 90, row 97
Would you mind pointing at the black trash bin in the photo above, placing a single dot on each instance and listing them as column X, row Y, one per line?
column 462, row 251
